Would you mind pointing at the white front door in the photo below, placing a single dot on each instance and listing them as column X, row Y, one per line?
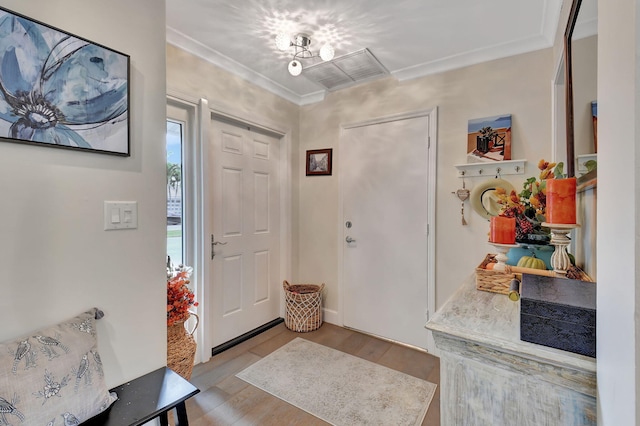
column 384, row 170
column 245, row 217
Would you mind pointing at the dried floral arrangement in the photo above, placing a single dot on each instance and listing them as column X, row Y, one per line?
column 180, row 297
column 529, row 206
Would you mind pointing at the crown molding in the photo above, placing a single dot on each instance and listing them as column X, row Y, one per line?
column 551, row 18
column 473, row 57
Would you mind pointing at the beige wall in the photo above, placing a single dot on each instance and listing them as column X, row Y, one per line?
column 55, row 257
column 519, row 85
column 585, row 77
column 191, row 77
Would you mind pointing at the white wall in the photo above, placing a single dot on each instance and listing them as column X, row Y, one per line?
column 519, row 85
column 55, row 257
column 618, row 215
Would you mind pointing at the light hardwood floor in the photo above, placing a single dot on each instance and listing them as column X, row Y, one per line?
column 226, row 400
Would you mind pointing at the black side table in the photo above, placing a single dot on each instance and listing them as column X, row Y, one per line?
column 147, row 397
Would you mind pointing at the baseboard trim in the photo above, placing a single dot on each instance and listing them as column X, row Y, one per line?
column 246, row 336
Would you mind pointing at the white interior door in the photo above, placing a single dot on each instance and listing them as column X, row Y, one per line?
column 384, row 169
column 245, row 217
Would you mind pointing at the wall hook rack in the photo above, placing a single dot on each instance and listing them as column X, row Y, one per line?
column 502, row 168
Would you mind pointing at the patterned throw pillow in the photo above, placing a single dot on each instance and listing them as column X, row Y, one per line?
column 53, row 376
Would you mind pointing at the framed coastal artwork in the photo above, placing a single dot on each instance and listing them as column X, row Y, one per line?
column 319, row 162
column 489, row 139
column 61, row 90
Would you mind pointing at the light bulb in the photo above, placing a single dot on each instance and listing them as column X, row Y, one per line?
column 295, row 67
column 327, row 52
column 282, row 41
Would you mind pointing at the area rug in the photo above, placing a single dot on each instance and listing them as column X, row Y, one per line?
column 339, row 388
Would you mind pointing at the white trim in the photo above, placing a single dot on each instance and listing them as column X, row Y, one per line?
column 332, row 316
column 388, row 118
column 582, row 159
column 192, row 203
column 202, row 238
column 432, row 115
column 431, row 218
column 474, row 57
column 488, row 168
column 545, row 39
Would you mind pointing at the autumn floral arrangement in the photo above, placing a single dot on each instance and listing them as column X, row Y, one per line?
column 180, row 297
column 529, row 206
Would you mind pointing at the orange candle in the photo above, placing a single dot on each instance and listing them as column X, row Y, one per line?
column 502, row 230
column 561, row 201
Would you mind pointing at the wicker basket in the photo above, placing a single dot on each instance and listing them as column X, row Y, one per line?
column 499, row 281
column 181, row 348
column 493, row 281
column 303, row 311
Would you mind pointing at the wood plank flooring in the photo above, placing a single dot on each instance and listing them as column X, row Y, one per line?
column 226, row 400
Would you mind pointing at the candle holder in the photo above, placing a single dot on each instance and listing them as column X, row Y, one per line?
column 560, row 259
column 501, row 255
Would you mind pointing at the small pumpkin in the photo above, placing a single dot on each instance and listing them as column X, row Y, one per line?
column 531, row 262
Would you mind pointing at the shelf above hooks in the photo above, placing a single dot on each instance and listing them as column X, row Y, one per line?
column 503, row 168
column 583, row 159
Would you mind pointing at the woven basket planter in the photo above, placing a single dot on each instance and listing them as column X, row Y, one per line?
column 303, row 311
column 181, row 348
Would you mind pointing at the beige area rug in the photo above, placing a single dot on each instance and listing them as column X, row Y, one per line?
column 339, row 388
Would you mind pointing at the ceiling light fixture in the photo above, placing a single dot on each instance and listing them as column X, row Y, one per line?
column 300, row 44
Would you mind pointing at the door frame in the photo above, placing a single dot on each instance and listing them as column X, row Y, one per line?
column 432, row 114
column 190, row 201
column 199, row 247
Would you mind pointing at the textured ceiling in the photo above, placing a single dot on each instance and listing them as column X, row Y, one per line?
column 411, row 38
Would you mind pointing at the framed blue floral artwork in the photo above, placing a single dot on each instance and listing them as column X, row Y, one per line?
column 60, row 90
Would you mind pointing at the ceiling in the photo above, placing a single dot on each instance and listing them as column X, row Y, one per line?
column 410, row 38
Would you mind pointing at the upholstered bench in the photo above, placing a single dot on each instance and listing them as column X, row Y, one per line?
column 147, row 397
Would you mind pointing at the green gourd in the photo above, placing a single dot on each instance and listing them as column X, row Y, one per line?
column 531, row 262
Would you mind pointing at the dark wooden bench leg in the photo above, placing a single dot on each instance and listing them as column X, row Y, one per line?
column 181, row 410
column 164, row 419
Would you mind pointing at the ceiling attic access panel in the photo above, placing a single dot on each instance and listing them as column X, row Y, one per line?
column 347, row 70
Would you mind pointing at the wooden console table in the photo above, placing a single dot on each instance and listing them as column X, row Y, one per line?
column 488, row 376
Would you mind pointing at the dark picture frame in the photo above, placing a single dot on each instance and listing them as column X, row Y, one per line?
column 61, row 90
column 319, row 162
column 568, row 86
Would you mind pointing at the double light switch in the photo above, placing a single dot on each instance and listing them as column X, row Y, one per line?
column 120, row 215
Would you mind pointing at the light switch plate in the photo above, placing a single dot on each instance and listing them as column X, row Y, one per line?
column 120, row 215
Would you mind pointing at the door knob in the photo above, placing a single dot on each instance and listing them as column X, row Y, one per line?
column 349, row 239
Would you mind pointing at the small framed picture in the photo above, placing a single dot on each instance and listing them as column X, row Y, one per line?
column 319, row 162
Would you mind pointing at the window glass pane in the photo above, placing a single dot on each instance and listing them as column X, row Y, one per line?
column 174, row 192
